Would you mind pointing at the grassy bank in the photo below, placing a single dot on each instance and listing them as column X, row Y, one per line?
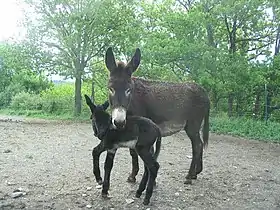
column 241, row 127
column 247, row 128
column 41, row 115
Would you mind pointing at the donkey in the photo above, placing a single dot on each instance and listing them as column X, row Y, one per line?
column 172, row 106
column 139, row 134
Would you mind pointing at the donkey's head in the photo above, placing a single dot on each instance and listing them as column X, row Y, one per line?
column 101, row 120
column 120, row 85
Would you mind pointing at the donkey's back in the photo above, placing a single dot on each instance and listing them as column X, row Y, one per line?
column 170, row 105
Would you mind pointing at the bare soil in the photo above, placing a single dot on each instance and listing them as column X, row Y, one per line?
column 51, row 162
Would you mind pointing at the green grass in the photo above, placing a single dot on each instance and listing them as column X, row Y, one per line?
column 247, row 128
column 242, row 127
column 84, row 117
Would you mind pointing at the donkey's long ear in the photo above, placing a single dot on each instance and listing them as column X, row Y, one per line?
column 110, row 59
column 135, row 61
column 90, row 104
column 105, row 105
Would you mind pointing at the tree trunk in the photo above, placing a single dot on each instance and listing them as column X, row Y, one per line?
column 230, row 104
column 92, row 91
column 78, row 95
column 256, row 105
column 215, row 99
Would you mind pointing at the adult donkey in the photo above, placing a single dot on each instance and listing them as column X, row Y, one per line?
column 172, row 106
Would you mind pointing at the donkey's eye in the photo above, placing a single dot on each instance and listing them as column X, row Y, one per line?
column 111, row 91
column 127, row 92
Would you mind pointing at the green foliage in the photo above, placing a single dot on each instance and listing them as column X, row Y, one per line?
column 245, row 127
column 58, row 99
column 26, row 101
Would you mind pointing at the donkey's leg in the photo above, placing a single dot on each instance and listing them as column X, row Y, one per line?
column 153, row 167
column 143, row 182
column 199, row 165
column 107, row 171
column 96, row 152
column 135, row 166
column 192, row 130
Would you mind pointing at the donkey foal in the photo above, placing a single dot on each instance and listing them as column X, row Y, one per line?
column 139, row 134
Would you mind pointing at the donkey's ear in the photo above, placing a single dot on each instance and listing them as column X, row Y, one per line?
column 135, row 61
column 89, row 103
column 110, row 59
column 105, row 105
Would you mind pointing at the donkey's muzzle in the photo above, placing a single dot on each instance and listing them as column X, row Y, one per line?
column 119, row 117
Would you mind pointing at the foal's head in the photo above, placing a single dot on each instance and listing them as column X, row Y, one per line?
column 120, row 85
column 101, row 120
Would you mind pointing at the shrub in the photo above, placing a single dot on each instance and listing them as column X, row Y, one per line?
column 8, row 93
column 245, row 127
column 59, row 99
column 26, row 101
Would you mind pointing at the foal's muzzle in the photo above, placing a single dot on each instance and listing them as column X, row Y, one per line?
column 119, row 124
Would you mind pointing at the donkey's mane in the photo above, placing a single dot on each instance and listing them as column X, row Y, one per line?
column 120, row 64
column 150, row 81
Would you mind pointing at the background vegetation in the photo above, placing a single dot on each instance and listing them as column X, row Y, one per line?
column 231, row 47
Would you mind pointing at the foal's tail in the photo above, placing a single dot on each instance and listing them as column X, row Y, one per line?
column 158, row 144
column 205, row 131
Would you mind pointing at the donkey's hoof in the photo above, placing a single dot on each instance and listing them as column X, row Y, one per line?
column 194, row 176
column 138, row 194
column 131, row 179
column 99, row 181
column 188, row 181
column 146, row 202
column 105, row 195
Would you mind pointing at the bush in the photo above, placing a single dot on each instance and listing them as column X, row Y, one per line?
column 244, row 127
column 8, row 93
column 59, row 99
column 26, row 101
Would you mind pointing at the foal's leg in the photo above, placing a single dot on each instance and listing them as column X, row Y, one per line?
column 143, row 182
column 107, row 171
column 135, row 166
column 192, row 130
column 96, row 152
column 152, row 167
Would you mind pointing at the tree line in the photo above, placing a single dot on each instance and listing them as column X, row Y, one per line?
column 231, row 47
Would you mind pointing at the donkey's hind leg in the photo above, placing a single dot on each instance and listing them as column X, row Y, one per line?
column 192, row 130
column 143, row 182
column 135, row 166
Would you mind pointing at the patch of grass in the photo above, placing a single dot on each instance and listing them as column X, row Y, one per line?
column 243, row 127
column 84, row 117
column 247, row 128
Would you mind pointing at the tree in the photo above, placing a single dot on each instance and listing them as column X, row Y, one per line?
column 74, row 31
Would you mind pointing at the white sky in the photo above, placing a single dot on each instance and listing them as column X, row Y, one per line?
column 10, row 15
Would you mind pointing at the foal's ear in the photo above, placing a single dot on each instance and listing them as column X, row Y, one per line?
column 105, row 105
column 89, row 103
column 135, row 61
column 110, row 59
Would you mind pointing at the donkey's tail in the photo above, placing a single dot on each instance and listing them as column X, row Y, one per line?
column 158, row 145
column 205, row 131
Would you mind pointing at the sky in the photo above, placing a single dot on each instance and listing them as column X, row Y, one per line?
column 10, row 15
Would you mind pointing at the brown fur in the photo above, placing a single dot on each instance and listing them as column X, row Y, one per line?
column 172, row 106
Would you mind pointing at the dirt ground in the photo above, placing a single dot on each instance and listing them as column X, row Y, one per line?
column 50, row 163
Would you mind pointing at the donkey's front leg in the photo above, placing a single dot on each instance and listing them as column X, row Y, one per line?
column 107, row 171
column 96, row 152
column 135, row 166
